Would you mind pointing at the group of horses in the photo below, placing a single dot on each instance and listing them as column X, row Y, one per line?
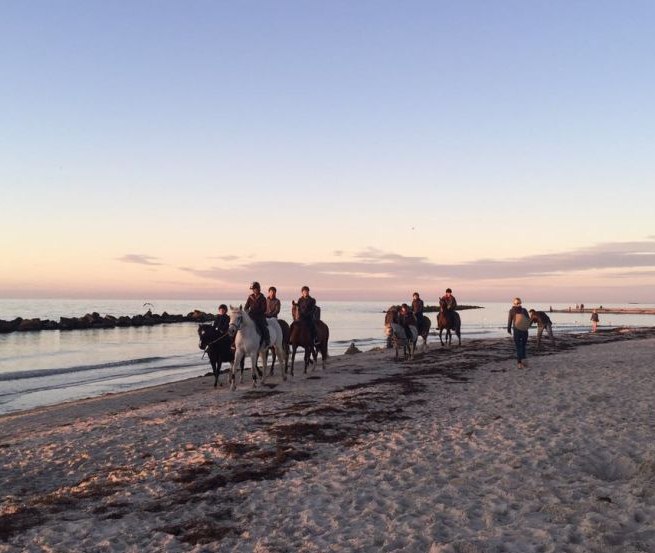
column 398, row 338
column 242, row 340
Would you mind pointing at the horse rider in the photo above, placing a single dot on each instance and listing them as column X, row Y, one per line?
column 407, row 319
column 543, row 323
column 451, row 304
column 222, row 320
column 272, row 303
column 306, row 311
column 417, row 310
column 256, row 309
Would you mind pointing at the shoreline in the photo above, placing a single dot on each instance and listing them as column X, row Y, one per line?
column 123, row 397
column 453, row 449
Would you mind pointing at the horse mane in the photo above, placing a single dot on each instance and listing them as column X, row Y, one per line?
column 391, row 315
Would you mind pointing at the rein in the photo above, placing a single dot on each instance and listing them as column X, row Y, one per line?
column 213, row 342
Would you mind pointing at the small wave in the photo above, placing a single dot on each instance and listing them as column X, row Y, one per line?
column 357, row 341
column 20, row 375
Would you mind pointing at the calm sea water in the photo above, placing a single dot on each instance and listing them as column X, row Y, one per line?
column 42, row 368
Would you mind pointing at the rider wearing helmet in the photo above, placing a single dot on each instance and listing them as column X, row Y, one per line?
column 222, row 321
column 256, row 309
column 306, row 311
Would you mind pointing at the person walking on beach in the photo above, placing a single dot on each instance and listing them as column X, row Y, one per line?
column 594, row 321
column 256, row 309
column 306, row 311
column 222, row 320
column 543, row 323
column 272, row 303
column 417, row 310
column 518, row 319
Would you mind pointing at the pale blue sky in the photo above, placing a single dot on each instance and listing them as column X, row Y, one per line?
column 154, row 118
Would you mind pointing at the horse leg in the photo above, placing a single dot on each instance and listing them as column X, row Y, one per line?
column 216, row 367
column 273, row 350
column 238, row 359
column 308, row 358
column 440, row 338
column 243, row 366
column 263, row 355
column 324, row 355
column 293, row 357
column 253, row 362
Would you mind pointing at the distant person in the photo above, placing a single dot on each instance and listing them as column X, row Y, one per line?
column 577, row 307
column 307, row 311
column 222, row 320
column 407, row 319
column 594, row 321
column 256, row 309
column 272, row 304
column 518, row 320
column 417, row 310
column 550, row 309
column 582, row 307
column 543, row 323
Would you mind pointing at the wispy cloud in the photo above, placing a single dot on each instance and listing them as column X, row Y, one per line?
column 139, row 259
column 372, row 267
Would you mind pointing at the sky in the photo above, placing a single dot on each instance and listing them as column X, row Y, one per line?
column 157, row 149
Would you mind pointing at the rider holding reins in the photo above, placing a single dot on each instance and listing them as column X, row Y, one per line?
column 451, row 303
column 306, row 310
column 256, row 309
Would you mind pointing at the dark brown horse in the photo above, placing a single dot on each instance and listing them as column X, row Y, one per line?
column 448, row 319
column 300, row 336
column 285, row 344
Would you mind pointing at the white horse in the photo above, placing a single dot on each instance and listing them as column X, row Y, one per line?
column 396, row 333
column 247, row 343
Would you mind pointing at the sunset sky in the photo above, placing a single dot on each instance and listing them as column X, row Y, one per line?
column 155, row 149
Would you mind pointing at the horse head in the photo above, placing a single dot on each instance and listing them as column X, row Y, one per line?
column 236, row 319
column 206, row 334
column 390, row 318
column 295, row 312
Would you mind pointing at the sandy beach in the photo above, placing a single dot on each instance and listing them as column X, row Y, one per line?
column 456, row 451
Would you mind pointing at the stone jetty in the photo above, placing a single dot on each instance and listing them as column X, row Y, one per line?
column 95, row 320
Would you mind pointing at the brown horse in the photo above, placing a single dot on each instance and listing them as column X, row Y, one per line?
column 448, row 319
column 300, row 336
column 285, row 344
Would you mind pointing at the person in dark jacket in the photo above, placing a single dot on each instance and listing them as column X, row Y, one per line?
column 407, row 319
column 595, row 319
column 272, row 303
column 516, row 315
column 306, row 311
column 222, row 320
column 543, row 323
column 451, row 304
column 417, row 310
column 256, row 309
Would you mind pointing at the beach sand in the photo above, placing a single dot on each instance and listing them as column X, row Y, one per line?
column 455, row 451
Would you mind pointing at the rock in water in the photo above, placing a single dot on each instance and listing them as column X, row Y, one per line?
column 352, row 349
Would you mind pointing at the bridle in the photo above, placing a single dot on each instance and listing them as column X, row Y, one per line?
column 213, row 342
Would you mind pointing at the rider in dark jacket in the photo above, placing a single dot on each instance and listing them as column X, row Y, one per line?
column 451, row 304
column 256, row 309
column 406, row 319
column 222, row 320
column 272, row 303
column 417, row 310
column 306, row 311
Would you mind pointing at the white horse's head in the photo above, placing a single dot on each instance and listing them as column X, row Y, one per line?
column 236, row 319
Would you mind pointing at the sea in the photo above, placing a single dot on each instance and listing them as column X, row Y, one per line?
column 48, row 367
